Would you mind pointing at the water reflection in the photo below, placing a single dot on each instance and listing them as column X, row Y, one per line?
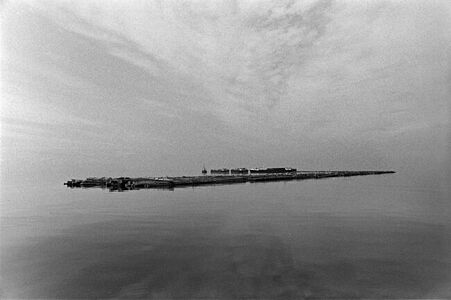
column 337, row 238
column 203, row 258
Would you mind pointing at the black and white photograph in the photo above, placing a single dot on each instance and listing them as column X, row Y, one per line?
column 225, row 149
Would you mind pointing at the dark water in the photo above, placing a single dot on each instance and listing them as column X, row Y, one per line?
column 358, row 237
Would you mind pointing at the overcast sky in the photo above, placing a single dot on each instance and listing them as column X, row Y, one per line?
column 94, row 88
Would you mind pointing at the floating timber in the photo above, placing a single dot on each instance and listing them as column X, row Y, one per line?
column 128, row 183
column 273, row 170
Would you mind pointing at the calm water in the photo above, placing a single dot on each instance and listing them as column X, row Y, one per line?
column 365, row 237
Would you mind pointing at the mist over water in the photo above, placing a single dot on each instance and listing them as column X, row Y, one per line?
column 364, row 237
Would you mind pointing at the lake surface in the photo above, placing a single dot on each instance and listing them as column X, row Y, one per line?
column 356, row 237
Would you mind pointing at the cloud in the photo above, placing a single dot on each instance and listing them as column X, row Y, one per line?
column 242, row 52
column 287, row 77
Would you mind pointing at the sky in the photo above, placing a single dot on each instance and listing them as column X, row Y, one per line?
column 122, row 88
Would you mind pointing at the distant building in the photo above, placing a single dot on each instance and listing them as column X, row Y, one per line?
column 219, row 171
column 239, row 171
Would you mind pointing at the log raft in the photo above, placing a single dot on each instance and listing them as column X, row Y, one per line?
column 128, row 183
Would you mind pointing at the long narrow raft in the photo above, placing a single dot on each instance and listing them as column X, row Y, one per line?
column 127, row 183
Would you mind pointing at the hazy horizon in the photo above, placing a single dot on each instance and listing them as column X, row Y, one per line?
column 111, row 88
